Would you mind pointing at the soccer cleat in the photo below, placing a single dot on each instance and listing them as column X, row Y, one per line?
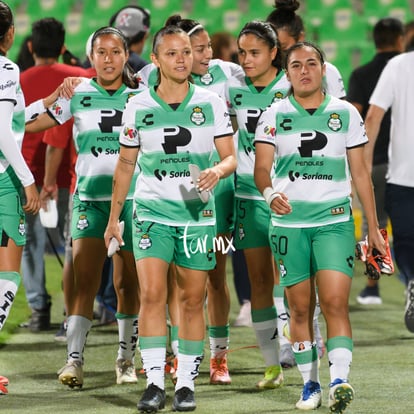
column 72, row 374
column 409, row 307
column 340, row 395
column 311, row 396
column 152, row 400
column 375, row 264
column 286, row 356
column 184, row 400
column 219, row 372
column 4, row 382
column 273, row 378
column 125, row 372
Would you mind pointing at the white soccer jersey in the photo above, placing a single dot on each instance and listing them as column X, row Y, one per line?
column 311, row 165
column 395, row 90
column 169, row 140
column 333, row 82
column 11, row 91
column 98, row 121
column 247, row 103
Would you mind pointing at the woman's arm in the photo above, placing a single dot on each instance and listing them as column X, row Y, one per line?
column 263, row 165
column 41, row 123
column 363, row 184
column 124, row 171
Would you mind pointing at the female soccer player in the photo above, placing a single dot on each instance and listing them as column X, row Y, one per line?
column 14, row 174
column 316, row 139
column 169, row 127
column 211, row 74
column 264, row 83
column 97, row 106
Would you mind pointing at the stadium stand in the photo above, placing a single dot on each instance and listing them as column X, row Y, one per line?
column 341, row 27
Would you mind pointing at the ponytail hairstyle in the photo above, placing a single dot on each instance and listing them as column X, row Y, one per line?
column 158, row 38
column 128, row 75
column 266, row 32
column 6, row 21
column 284, row 17
column 188, row 25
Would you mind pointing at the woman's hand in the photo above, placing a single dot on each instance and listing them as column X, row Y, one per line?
column 32, row 199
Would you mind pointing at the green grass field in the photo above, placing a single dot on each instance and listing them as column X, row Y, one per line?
column 382, row 370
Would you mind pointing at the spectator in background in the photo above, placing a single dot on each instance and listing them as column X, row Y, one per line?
column 224, row 47
column 134, row 23
column 46, row 45
column 24, row 58
column 409, row 36
column 388, row 39
column 395, row 90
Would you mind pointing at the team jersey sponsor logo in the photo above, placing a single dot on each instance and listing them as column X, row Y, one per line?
column 129, row 133
column 8, row 84
column 97, row 151
column 295, row 175
column 198, row 116
column 207, row 79
column 56, row 109
column 269, row 130
column 335, row 122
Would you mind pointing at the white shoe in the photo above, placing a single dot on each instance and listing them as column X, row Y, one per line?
column 244, row 317
column 72, row 374
column 125, row 372
column 340, row 395
column 311, row 397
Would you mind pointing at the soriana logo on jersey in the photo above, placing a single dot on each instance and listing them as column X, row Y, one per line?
column 56, row 109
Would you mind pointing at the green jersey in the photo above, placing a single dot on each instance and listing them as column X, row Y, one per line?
column 169, row 140
column 311, row 165
column 97, row 123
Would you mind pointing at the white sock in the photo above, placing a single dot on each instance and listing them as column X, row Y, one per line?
column 77, row 331
column 128, row 337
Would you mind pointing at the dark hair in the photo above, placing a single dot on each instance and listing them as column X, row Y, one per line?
column 24, row 58
column 387, row 31
column 302, row 45
column 128, row 75
column 188, row 25
column 266, row 32
column 409, row 36
column 48, row 37
column 6, row 19
column 284, row 17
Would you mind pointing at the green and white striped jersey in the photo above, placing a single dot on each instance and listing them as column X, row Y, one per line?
column 169, row 140
column 248, row 103
column 11, row 91
column 97, row 123
column 311, row 165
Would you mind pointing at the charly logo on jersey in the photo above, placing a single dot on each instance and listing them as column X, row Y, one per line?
column 145, row 242
column 207, row 79
column 82, row 222
column 198, row 116
column 56, row 109
column 22, row 227
column 335, row 122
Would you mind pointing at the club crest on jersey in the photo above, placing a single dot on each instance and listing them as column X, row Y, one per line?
column 278, row 96
column 145, row 242
column 83, row 222
column 197, row 116
column 207, row 79
column 335, row 122
column 57, row 109
column 22, row 228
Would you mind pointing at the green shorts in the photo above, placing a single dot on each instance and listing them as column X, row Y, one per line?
column 301, row 252
column 12, row 215
column 224, row 201
column 190, row 246
column 252, row 224
column 90, row 218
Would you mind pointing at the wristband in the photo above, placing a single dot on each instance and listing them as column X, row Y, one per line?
column 270, row 194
